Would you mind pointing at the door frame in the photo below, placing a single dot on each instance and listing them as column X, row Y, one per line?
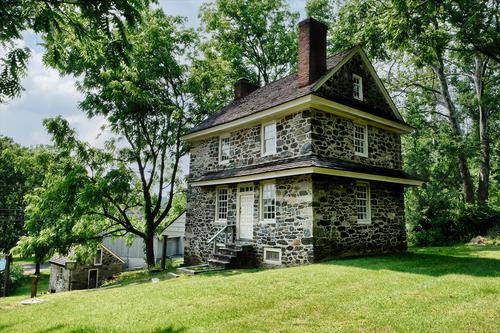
column 238, row 204
column 96, row 278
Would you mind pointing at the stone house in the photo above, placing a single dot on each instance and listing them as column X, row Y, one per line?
column 67, row 274
column 306, row 168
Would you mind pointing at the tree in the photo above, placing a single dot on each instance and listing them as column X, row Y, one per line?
column 50, row 16
column 132, row 184
column 13, row 186
column 426, row 35
column 257, row 38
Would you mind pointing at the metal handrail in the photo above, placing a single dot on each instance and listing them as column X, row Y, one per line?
column 217, row 234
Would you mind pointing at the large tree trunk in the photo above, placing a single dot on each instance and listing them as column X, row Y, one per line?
column 37, row 268
column 149, row 251
column 484, row 140
column 468, row 188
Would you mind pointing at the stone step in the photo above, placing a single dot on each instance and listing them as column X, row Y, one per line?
column 218, row 263
column 223, row 256
column 197, row 269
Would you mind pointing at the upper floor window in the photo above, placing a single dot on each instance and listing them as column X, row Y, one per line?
column 357, row 87
column 269, row 139
column 98, row 257
column 224, row 149
column 360, row 140
column 363, row 202
column 268, row 202
column 221, row 204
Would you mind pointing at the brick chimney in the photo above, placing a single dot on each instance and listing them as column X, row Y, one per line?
column 243, row 87
column 312, row 51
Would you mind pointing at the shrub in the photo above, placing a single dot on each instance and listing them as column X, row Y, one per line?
column 16, row 275
column 443, row 225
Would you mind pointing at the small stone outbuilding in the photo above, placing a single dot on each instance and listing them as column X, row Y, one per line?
column 67, row 274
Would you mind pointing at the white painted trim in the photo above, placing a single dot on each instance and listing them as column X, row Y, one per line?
column 365, row 135
column 100, row 259
column 356, row 76
column 305, row 171
column 300, row 104
column 216, row 215
column 368, row 204
column 272, row 249
column 261, row 202
column 238, row 212
column 224, row 136
column 262, row 138
column 372, row 71
column 96, row 279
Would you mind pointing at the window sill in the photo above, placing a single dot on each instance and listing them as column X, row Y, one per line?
column 267, row 221
column 274, row 263
column 223, row 162
column 220, row 222
column 364, row 222
column 361, row 155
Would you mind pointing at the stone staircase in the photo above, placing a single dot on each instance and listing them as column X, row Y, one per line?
column 233, row 255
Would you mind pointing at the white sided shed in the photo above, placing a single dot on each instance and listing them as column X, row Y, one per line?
column 133, row 255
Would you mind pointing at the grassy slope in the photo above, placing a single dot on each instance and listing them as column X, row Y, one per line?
column 436, row 289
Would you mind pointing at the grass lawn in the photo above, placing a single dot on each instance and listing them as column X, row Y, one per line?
column 452, row 289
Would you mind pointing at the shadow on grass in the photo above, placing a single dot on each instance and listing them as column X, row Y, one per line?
column 87, row 329
column 426, row 263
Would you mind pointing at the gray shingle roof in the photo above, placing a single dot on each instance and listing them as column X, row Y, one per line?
column 305, row 161
column 273, row 94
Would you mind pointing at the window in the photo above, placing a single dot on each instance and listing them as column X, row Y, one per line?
column 357, row 87
column 363, row 202
column 272, row 256
column 268, row 202
column 221, row 204
column 224, row 149
column 98, row 257
column 269, row 139
column 360, row 140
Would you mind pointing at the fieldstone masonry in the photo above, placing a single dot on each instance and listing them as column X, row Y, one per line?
column 315, row 215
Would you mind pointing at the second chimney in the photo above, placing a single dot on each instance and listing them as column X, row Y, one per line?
column 243, row 87
column 312, row 51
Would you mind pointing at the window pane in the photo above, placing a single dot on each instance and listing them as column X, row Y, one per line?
column 225, row 149
column 269, row 144
column 269, row 201
column 362, row 203
column 222, row 198
column 359, row 139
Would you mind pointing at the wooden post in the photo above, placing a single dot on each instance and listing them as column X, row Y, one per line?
column 164, row 252
column 34, row 285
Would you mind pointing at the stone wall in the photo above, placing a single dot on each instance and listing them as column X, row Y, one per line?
column 292, row 231
column 58, row 283
column 336, row 231
column 293, row 139
column 339, row 88
column 333, row 136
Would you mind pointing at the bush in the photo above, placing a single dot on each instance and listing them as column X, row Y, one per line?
column 16, row 275
column 442, row 225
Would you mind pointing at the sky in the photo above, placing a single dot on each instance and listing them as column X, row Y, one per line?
column 47, row 94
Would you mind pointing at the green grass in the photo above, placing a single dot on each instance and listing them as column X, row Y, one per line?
column 454, row 289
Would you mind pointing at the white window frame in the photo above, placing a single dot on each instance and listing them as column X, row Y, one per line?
column 272, row 249
column 357, row 81
column 217, row 219
column 365, row 141
column 263, row 139
column 222, row 137
column 98, row 263
column 261, row 202
column 368, row 219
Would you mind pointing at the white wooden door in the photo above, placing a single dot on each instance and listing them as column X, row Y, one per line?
column 245, row 223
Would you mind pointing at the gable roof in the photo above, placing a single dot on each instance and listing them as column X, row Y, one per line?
column 285, row 90
column 63, row 260
column 275, row 93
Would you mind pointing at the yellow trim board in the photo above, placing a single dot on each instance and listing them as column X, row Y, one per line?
column 300, row 104
column 306, row 171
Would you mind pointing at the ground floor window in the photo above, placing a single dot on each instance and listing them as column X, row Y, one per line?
column 363, row 202
column 268, row 201
column 272, row 256
column 221, row 204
